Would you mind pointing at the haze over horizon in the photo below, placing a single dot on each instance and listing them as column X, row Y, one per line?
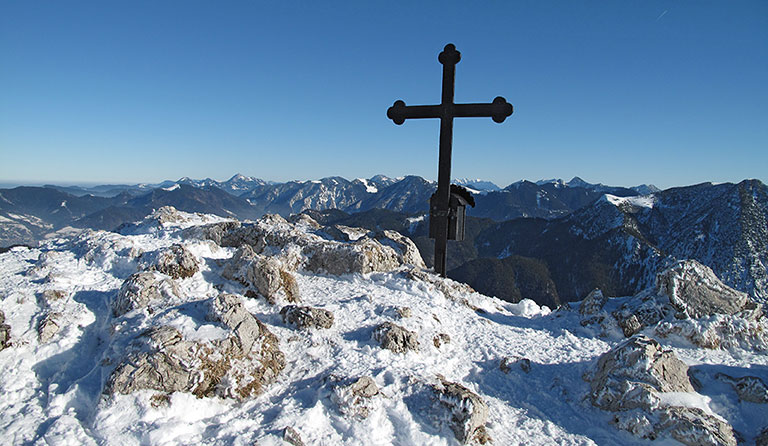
column 670, row 94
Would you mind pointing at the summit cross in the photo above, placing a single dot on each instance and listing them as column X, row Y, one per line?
column 499, row 109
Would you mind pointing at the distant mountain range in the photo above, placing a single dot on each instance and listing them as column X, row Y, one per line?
column 551, row 240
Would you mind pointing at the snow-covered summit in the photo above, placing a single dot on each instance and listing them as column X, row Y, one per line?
column 194, row 329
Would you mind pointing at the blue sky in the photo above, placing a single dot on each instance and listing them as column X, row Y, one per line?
column 620, row 92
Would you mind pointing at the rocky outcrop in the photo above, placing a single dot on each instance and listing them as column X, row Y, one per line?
column 49, row 326
column 396, row 338
column 631, row 380
column 441, row 339
column 175, row 261
column 306, row 317
column 50, row 296
column 267, row 275
column 634, row 373
column 407, row 252
column 468, row 412
column 292, row 437
column 694, row 290
column 213, row 231
column 515, row 362
column 362, row 256
column 593, row 303
column 140, row 289
column 694, row 427
column 238, row 366
column 749, row 388
column 5, row 332
column 354, row 397
column 689, row 301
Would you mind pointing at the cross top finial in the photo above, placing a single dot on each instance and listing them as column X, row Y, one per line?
column 449, row 56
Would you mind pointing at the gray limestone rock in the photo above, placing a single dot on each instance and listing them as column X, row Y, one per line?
column 407, row 251
column 643, row 311
column 292, row 437
column 5, row 332
column 354, row 397
column 307, row 317
column 440, row 339
column 396, row 338
column 632, row 374
column 468, row 412
column 214, row 231
column 631, row 379
column 362, row 256
column 266, row 274
column 762, row 438
column 593, row 303
column 748, row 388
column 239, row 366
column 694, row 289
column 693, row 427
column 50, row 296
column 404, row 312
column 509, row 363
column 140, row 289
column 49, row 326
column 175, row 261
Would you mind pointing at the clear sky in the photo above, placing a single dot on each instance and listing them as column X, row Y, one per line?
column 618, row 92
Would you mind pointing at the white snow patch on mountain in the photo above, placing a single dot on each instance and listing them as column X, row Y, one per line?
column 641, row 201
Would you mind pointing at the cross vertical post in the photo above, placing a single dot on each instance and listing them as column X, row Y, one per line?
column 499, row 110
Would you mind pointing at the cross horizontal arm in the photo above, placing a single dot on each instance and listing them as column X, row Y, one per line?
column 399, row 112
column 499, row 109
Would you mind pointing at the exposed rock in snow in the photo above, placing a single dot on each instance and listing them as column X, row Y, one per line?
column 407, row 251
column 50, row 296
column 440, row 339
column 509, row 363
column 175, row 261
column 265, row 274
column 239, row 366
column 689, row 301
column 396, row 338
column 49, row 326
column 304, row 220
column 213, row 231
column 693, row 289
column 362, row 256
column 292, row 437
column 634, row 377
column 169, row 374
column 468, row 411
column 404, row 312
column 748, row 388
column 642, row 311
column 631, row 375
column 593, row 303
column 140, row 289
column 762, row 439
column 354, row 397
column 307, row 317
column 5, row 332
column 693, row 427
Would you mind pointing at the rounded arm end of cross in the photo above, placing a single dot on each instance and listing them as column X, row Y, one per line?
column 503, row 109
column 395, row 113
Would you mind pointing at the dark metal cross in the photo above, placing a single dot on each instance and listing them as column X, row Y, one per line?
column 499, row 109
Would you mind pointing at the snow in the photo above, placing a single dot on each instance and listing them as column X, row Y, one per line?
column 172, row 188
column 641, row 201
column 370, row 188
column 52, row 392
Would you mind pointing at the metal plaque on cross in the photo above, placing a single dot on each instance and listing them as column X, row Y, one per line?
column 499, row 109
